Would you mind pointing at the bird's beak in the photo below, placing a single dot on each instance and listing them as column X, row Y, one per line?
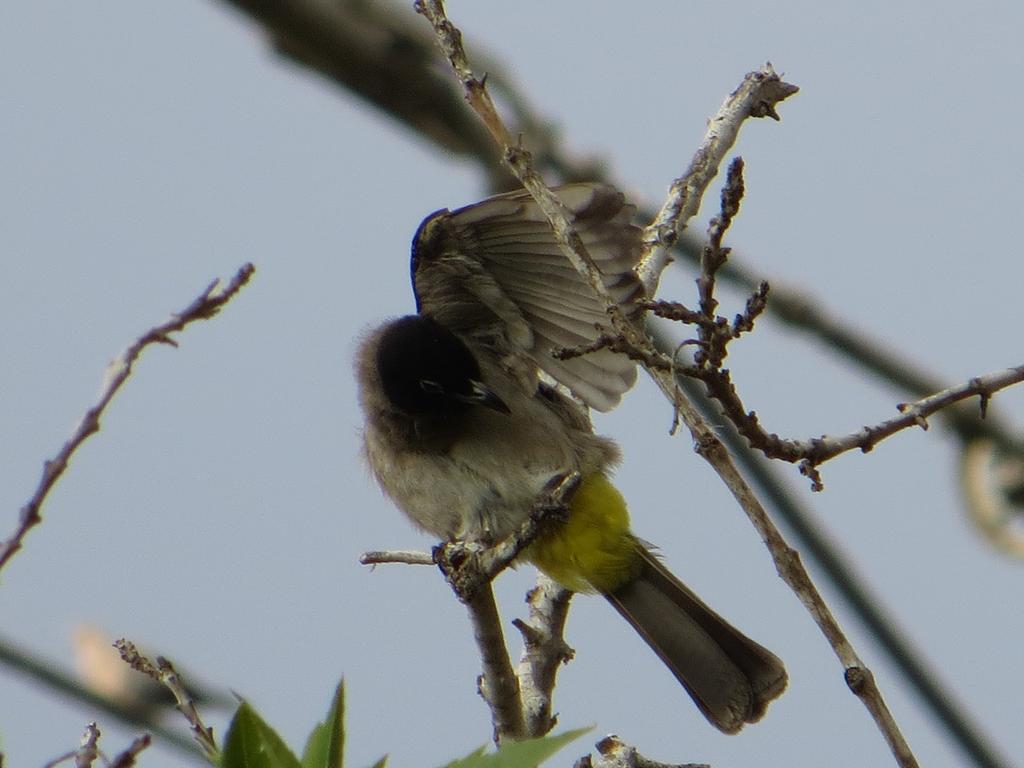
column 481, row 394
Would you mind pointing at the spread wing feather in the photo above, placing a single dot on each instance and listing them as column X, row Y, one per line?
column 501, row 254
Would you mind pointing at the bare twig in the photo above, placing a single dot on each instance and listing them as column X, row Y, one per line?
column 812, row 453
column 715, row 254
column 612, row 752
column 204, row 307
column 163, row 672
column 686, row 196
column 715, row 331
column 861, row 682
column 126, row 759
column 497, row 684
column 88, row 751
column 804, row 313
column 756, row 96
column 913, row 414
column 187, row 706
column 544, row 651
column 405, row 556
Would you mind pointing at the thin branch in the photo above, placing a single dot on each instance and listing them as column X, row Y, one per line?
column 715, row 331
column 612, row 752
column 450, row 40
column 208, row 304
column 498, row 684
column 187, row 706
column 916, row 414
column 812, row 453
column 163, row 672
column 715, row 254
column 804, row 313
column 544, row 651
column 404, row 556
column 126, row 759
column 756, row 96
column 89, row 750
column 861, row 682
column 87, row 753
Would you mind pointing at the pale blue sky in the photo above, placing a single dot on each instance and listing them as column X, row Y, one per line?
column 147, row 148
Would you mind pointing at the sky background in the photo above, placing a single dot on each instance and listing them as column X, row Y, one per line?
column 147, row 148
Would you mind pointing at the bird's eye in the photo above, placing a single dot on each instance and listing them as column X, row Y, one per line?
column 431, row 387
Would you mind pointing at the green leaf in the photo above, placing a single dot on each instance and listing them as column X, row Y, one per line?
column 382, row 763
column 251, row 743
column 518, row 754
column 325, row 746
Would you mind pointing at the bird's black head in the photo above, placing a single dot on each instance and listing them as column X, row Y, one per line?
column 425, row 369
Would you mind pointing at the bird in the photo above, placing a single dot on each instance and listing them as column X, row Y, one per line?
column 468, row 417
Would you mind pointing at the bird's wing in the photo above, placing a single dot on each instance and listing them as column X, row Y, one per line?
column 494, row 268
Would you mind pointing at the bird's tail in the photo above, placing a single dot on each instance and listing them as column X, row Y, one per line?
column 730, row 677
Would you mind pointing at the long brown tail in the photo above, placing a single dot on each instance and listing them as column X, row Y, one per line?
column 730, row 677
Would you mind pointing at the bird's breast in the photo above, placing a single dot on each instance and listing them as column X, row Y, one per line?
column 482, row 484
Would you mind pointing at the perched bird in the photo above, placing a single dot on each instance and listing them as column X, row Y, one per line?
column 468, row 417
